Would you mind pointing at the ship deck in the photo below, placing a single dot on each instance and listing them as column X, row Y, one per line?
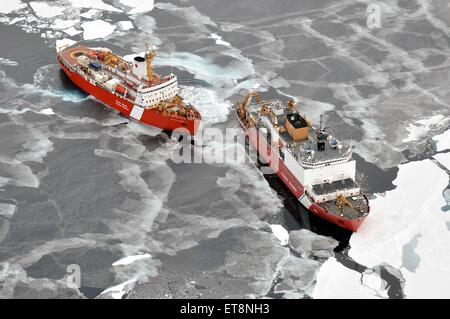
column 301, row 149
column 70, row 55
column 327, row 188
column 359, row 203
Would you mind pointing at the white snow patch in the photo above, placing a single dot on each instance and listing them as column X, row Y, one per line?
column 442, row 141
column 7, row 210
column 413, row 207
column 97, row 29
column 420, row 128
column 335, row 281
column 219, row 40
column 44, row 10
column 63, row 43
column 94, row 4
column 139, row 6
column 131, row 259
column 125, row 25
column 444, row 159
column 72, row 31
column 11, row 5
column 281, row 233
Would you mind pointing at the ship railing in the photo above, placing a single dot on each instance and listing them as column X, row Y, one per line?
column 315, row 163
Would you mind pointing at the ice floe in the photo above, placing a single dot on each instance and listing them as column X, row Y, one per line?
column 219, row 40
column 335, row 281
column 7, row 210
column 90, row 13
column 47, row 111
column 125, row 25
column 138, row 6
column 94, row 4
column 280, row 233
column 297, row 277
column 420, row 128
column 444, row 159
column 307, row 243
column 72, row 31
column 442, row 141
column 11, row 5
column 15, row 20
column 44, row 10
column 413, row 207
column 97, row 29
column 5, row 61
column 59, row 24
column 131, row 259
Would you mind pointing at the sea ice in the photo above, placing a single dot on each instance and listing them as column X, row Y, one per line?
column 7, row 210
column 94, row 4
column 307, row 243
column 90, row 13
column 281, row 233
column 420, row 128
column 130, row 259
column 125, row 25
column 413, row 207
column 442, row 141
column 97, row 29
column 444, row 159
column 47, row 111
column 139, row 6
column 11, row 5
column 335, row 281
column 15, row 20
column 59, row 24
column 72, row 31
column 219, row 40
column 44, row 10
column 4, row 61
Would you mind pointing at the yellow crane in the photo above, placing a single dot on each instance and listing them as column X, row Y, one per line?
column 241, row 107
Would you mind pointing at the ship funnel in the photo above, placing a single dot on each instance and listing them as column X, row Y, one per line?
column 139, row 67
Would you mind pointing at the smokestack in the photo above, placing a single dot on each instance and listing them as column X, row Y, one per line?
column 139, row 67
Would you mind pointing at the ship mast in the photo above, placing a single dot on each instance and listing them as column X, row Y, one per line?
column 149, row 56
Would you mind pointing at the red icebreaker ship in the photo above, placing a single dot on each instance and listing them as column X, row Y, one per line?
column 130, row 87
column 316, row 167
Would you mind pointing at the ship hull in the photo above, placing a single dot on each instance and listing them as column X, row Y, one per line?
column 148, row 117
column 272, row 158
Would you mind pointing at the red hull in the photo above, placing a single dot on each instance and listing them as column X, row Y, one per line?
column 149, row 117
column 294, row 185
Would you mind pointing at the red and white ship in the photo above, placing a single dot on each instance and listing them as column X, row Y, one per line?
column 316, row 167
column 132, row 88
